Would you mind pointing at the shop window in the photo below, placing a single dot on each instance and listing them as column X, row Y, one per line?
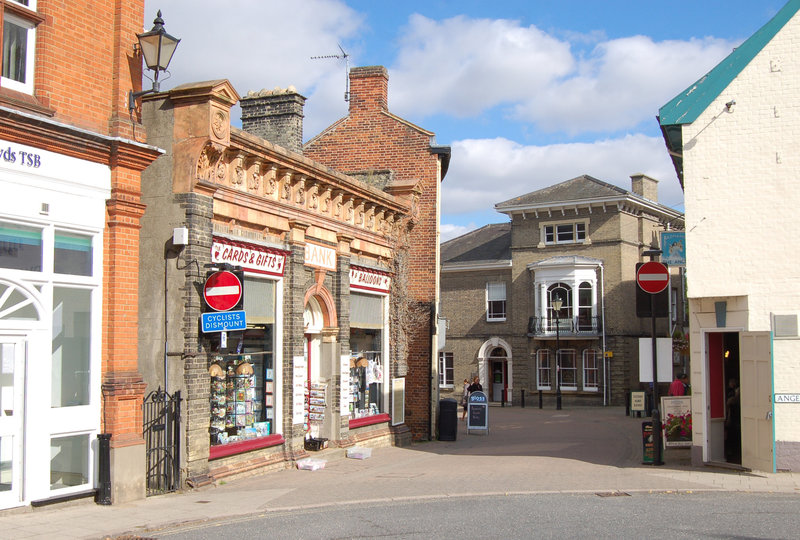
column 591, row 370
column 19, row 39
column 495, row 301
column 73, row 254
column 367, row 369
column 366, row 374
column 20, row 247
column 243, row 389
column 568, row 369
column 543, row 369
column 69, row 462
column 71, row 347
column 445, row 370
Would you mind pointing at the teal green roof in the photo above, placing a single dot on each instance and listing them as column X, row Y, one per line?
column 689, row 104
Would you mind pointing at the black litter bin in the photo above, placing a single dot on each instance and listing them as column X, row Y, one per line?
column 448, row 419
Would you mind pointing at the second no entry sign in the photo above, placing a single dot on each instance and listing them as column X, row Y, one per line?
column 652, row 277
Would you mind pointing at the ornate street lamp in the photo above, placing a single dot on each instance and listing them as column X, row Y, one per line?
column 556, row 303
column 157, row 48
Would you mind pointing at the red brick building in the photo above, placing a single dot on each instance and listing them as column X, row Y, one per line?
column 69, row 248
column 376, row 145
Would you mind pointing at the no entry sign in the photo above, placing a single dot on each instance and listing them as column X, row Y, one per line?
column 222, row 291
column 652, row 277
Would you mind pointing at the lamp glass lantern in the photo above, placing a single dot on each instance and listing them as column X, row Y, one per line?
column 157, row 48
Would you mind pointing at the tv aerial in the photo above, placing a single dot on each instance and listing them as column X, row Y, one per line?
column 344, row 56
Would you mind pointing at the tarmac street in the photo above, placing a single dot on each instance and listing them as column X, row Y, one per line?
column 526, row 451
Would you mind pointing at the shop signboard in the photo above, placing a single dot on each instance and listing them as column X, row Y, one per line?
column 676, row 420
column 251, row 257
column 637, row 401
column 478, row 411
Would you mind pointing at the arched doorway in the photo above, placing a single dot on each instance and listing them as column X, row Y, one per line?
column 22, row 335
column 495, row 368
column 313, row 324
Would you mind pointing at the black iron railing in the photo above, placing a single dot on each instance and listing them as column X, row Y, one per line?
column 574, row 326
column 162, row 414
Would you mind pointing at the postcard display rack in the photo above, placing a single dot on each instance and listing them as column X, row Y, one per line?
column 316, row 407
column 236, row 413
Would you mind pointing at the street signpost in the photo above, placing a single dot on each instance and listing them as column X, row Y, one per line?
column 653, row 277
column 222, row 290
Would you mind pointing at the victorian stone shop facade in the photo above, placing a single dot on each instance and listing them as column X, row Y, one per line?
column 316, row 250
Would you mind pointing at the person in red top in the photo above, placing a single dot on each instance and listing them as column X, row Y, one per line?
column 679, row 385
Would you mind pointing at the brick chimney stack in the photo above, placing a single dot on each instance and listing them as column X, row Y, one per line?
column 275, row 115
column 369, row 89
column 645, row 186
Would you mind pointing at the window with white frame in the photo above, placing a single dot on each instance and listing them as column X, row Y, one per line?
column 568, row 369
column 563, row 293
column 445, row 370
column 585, row 303
column 19, row 43
column 495, row 301
column 543, row 369
column 564, row 233
column 591, row 370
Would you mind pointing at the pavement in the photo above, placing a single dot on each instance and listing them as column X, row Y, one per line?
column 531, row 450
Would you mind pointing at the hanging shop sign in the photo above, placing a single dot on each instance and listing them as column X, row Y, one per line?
column 250, row 257
column 320, row 257
column 363, row 279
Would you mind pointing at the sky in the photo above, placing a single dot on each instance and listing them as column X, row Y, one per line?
column 527, row 93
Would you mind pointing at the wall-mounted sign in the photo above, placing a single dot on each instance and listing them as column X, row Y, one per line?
column 223, row 321
column 673, row 248
column 251, row 257
column 320, row 257
column 787, row 398
column 369, row 280
column 222, row 291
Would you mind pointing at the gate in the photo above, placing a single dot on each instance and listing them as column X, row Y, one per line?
column 162, row 414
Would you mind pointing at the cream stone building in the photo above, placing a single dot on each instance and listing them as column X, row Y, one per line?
column 577, row 241
column 733, row 139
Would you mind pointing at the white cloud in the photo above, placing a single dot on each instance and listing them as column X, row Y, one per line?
column 485, row 172
column 621, row 84
column 263, row 44
column 462, row 67
column 449, row 231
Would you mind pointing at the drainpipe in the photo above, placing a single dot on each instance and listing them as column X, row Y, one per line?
column 606, row 375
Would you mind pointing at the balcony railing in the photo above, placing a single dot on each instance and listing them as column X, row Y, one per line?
column 575, row 326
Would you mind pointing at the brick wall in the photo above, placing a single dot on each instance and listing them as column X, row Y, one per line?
column 371, row 138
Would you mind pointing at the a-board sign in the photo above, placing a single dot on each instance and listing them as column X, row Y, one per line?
column 478, row 411
column 637, row 401
column 648, row 449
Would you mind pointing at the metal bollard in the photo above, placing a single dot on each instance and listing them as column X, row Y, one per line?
column 523, row 398
column 104, row 469
column 540, row 399
column 503, row 403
